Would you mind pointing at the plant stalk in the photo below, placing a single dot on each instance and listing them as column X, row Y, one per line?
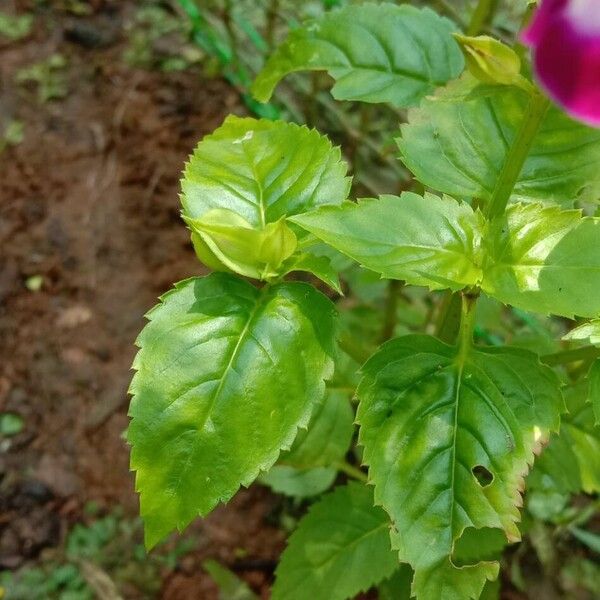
column 482, row 15
column 467, row 324
column 448, row 320
column 536, row 111
column 272, row 15
column 391, row 309
column 351, row 470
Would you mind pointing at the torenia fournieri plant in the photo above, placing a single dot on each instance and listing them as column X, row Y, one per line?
column 238, row 380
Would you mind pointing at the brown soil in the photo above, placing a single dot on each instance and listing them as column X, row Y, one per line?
column 89, row 201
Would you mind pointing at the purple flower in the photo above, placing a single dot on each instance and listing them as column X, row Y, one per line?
column 565, row 37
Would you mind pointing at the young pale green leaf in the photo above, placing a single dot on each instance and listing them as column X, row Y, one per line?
column 448, row 439
column 299, row 483
column 240, row 184
column 544, row 260
column 328, row 436
column 570, row 463
column 226, row 374
column 457, row 143
column 491, row 61
column 587, row 332
column 263, row 171
column 374, row 52
column 424, row 240
column 341, row 547
column 257, row 253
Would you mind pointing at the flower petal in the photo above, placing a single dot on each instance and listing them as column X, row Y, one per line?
column 541, row 20
column 566, row 55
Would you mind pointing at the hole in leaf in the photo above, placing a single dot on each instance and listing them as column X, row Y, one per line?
column 483, row 475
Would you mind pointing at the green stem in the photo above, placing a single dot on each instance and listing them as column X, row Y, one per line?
column 569, row 356
column 350, row 470
column 448, row 321
column 391, row 309
column 272, row 15
column 467, row 325
column 481, row 16
column 536, row 111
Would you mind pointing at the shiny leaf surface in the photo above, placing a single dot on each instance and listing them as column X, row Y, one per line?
column 225, row 375
column 587, row 332
column 257, row 253
column 263, row 171
column 544, row 260
column 457, row 143
column 424, row 240
column 375, row 53
column 448, row 439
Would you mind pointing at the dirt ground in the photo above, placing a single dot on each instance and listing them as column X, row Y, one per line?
column 89, row 202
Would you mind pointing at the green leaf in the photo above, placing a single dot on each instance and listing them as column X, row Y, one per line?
column 341, row 547
column 557, row 470
column 11, row 424
column 544, row 260
column 226, row 373
column 231, row 587
column 591, row 540
column 320, row 266
column 299, row 483
column 587, row 332
column 475, row 545
column 457, row 143
column 308, row 468
column 15, row 27
column 263, row 171
column 424, row 240
column 570, row 463
column 491, row 591
column 594, row 390
column 546, row 505
column 256, row 253
column 397, row 587
column 251, row 175
column 328, row 436
column 583, row 435
column 491, row 61
column 448, row 439
column 375, row 53
column 581, row 574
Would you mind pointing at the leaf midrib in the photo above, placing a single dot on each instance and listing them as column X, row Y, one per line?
column 243, row 334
